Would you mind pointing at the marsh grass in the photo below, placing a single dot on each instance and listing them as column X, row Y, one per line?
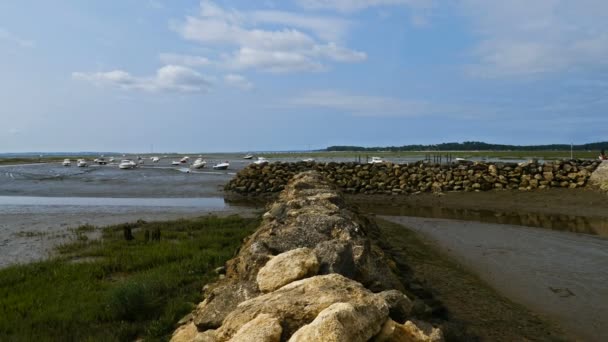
column 125, row 289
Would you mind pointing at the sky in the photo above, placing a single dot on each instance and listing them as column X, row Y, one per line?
column 242, row 75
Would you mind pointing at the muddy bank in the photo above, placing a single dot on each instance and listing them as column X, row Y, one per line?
column 576, row 202
column 574, row 210
column 459, row 294
column 30, row 233
column 560, row 275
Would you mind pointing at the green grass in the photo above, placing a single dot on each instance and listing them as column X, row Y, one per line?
column 116, row 290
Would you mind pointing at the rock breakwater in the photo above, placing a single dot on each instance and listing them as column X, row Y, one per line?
column 311, row 272
column 388, row 178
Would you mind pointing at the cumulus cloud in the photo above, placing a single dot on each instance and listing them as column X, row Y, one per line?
column 168, row 78
column 238, row 81
column 285, row 47
column 7, row 36
column 520, row 37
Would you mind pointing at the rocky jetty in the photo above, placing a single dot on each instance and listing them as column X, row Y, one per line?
column 311, row 272
column 388, row 178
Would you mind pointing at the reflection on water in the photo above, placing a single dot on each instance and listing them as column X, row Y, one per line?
column 207, row 203
column 562, row 222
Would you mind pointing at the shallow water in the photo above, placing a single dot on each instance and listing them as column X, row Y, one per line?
column 13, row 202
column 562, row 222
column 559, row 274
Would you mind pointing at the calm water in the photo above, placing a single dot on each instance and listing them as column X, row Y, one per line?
column 207, row 203
column 561, row 222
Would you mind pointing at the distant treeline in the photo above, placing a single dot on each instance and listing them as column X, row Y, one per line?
column 475, row 146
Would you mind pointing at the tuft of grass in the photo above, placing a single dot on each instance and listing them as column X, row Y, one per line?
column 126, row 289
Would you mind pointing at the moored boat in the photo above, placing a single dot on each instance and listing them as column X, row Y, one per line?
column 127, row 164
column 221, row 166
column 261, row 160
column 66, row 162
column 82, row 163
column 376, row 160
column 198, row 164
column 248, row 156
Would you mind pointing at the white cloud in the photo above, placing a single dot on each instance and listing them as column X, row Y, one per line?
column 238, row 81
column 272, row 61
column 185, row 60
column 168, row 78
column 520, row 37
column 328, row 28
column 10, row 37
column 357, row 5
column 283, row 48
column 339, row 54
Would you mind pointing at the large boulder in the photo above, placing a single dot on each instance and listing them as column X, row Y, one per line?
column 263, row 328
column 220, row 301
column 599, row 177
column 300, row 302
column 410, row 331
column 286, row 267
column 343, row 322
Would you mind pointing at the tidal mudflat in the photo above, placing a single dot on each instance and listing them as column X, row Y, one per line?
column 561, row 275
column 40, row 203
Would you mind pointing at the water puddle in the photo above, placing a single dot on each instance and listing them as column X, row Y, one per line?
column 208, row 203
column 561, row 222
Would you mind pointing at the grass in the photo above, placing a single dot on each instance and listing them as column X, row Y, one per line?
column 111, row 289
column 474, row 310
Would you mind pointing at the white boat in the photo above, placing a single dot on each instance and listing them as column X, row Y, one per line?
column 82, row 163
column 308, row 160
column 221, row 166
column 100, row 161
column 66, row 162
column 127, row 164
column 376, row 160
column 184, row 160
column 248, row 156
column 112, row 160
column 261, row 160
column 198, row 164
column 176, row 163
column 460, row 160
column 155, row 159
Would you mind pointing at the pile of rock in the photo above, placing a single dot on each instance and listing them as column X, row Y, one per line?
column 309, row 273
column 599, row 178
column 391, row 178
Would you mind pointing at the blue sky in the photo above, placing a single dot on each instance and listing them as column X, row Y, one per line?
column 236, row 75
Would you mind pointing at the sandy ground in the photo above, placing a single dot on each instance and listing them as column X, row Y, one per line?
column 561, row 275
